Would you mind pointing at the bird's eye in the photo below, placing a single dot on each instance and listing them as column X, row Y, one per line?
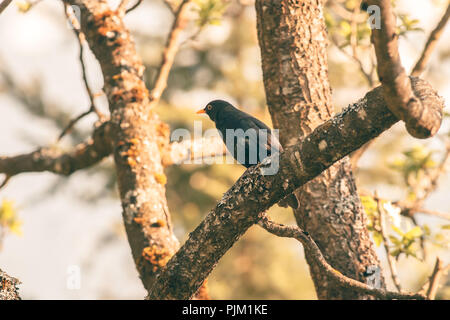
column 209, row 107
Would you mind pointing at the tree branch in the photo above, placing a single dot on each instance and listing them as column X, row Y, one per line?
column 423, row 190
column 82, row 156
column 391, row 261
column 8, row 287
column 254, row 192
column 302, row 236
column 443, row 215
column 138, row 136
column 293, row 40
column 170, row 50
column 4, row 4
column 432, row 285
column 134, row 6
column 422, row 121
column 122, row 7
column 345, row 14
column 190, row 150
column 431, row 44
column 81, row 40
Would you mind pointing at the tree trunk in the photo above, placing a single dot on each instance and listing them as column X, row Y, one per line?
column 293, row 43
column 137, row 134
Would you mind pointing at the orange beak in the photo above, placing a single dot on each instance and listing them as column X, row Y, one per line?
column 201, row 111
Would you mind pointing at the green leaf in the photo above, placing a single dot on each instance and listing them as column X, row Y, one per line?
column 8, row 217
column 345, row 28
column 209, row 11
column 414, row 233
column 23, row 6
column 397, row 230
column 426, row 229
column 378, row 238
column 395, row 240
column 396, row 253
column 369, row 204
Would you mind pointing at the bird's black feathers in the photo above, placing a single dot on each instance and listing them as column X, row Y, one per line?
column 254, row 133
column 250, row 135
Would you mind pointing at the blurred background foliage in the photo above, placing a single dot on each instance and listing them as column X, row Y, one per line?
column 220, row 58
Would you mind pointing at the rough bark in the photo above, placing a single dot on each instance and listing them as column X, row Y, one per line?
column 8, row 287
column 293, row 43
column 421, row 121
column 137, row 135
column 57, row 161
column 314, row 251
column 253, row 193
column 4, row 4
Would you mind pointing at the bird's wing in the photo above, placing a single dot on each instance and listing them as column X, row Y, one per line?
column 271, row 140
column 266, row 140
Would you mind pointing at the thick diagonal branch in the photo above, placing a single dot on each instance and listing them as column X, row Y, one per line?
column 422, row 121
column 254, row 193
column 293, row 41
column 4, row 4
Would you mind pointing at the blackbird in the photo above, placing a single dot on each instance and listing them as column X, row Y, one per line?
column 252, row 141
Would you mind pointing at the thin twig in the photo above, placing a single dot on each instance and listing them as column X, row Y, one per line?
column 368, row 76
column 170, row 51
column 345, row 14
column 407, row 211
column 435, row 174
column 81, row 39
column 391, row 261
column 302, row 236
column 355, row 156
column 4, row 4
column 438, row 271
column 72, row 123
column 134, row 6
column 170, row 6
column 431, row 44
column 5, row 181
column 443, row 215
column 422, row 239
column 433, row 280
column 354, row 32
column 122, row 7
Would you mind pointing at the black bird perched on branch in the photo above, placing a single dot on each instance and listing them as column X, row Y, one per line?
column 248, row 139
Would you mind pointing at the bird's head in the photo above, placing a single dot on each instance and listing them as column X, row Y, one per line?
column 214, row 107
